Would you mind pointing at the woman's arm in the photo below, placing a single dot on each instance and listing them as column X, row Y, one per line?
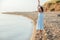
column 39, row 9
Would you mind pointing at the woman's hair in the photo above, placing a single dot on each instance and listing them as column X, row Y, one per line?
column 42, row 9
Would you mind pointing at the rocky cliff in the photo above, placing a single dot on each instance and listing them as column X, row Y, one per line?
column 52, row 6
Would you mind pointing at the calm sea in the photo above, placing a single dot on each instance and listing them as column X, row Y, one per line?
column 13, row 27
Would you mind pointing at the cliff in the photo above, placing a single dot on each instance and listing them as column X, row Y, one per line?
column 52, row 6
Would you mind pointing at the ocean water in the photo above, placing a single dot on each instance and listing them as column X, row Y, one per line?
column 13, row 27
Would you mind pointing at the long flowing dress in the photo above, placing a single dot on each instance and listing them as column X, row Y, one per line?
column 40, row 21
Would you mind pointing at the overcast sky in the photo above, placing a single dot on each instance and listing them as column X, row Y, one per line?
column 19, row 5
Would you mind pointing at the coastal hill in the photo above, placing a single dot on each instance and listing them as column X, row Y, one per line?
column 52, row 5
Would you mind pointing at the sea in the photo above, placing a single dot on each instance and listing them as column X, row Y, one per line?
column 15, row 27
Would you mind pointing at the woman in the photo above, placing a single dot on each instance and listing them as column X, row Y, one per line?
column 40, row 24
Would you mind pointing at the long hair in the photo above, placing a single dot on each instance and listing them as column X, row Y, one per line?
column 42, row 9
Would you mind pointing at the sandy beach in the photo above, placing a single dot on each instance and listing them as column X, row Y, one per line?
column 51, row 23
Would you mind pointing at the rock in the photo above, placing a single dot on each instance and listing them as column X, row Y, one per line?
column 53, row 5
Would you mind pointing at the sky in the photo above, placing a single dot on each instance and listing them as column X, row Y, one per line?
column 19, row 5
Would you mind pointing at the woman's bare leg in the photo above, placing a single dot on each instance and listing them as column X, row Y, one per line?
column 41, row 34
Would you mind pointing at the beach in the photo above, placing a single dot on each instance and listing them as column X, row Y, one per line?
column 51, row 23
